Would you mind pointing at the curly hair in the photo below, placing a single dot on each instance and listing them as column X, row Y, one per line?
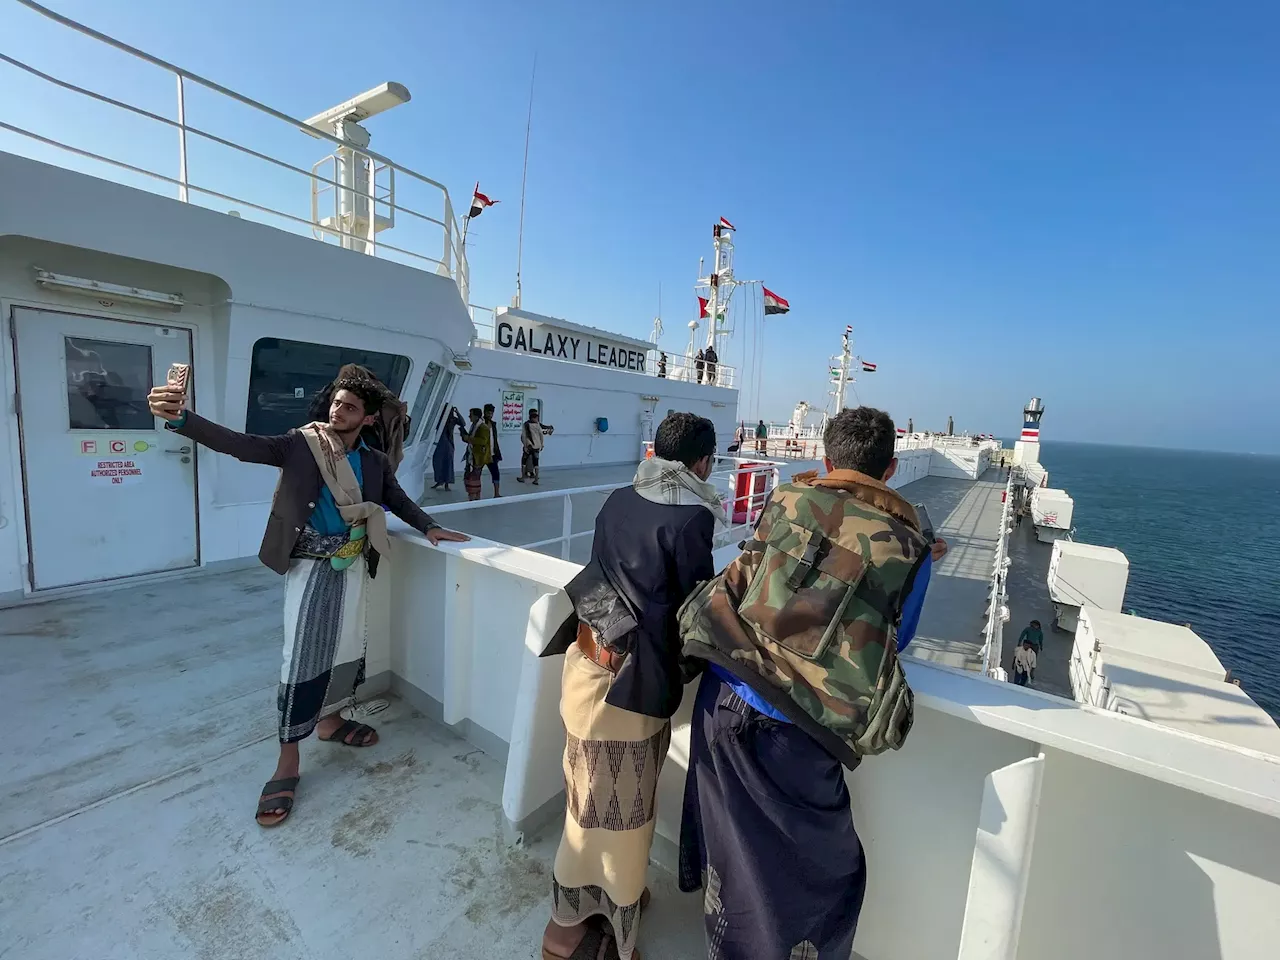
column 371, row 392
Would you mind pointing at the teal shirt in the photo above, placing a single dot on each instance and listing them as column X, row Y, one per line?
column 325, row 519
column 1035, row 636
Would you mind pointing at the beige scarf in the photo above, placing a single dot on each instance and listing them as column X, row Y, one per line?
column 672, row 483
column 331, row 457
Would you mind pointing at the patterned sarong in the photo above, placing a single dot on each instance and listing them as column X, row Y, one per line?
column 324, row 634
column 612, row 759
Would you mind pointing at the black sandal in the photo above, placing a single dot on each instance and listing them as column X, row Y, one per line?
column 271, row 805
column 350, row 729
column 597, row 943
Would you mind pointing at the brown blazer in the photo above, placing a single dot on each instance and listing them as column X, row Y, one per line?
column 299, row 485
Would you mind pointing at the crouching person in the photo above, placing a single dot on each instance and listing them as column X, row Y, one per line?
column 800, row 636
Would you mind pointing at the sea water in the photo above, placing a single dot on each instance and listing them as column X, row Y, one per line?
column 1202, row 534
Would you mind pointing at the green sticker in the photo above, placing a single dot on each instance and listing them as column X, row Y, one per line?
column 141, row 446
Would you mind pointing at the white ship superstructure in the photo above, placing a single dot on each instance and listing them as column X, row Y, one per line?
column 141, row 640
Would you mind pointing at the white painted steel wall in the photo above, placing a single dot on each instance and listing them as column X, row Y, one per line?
column 574, row 395
column 241, row 280
column 959, row 462
column 1148, row 842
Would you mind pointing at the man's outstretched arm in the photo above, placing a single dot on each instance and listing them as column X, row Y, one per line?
column 169, row 405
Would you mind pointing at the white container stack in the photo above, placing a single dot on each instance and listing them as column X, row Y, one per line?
column 1166, row 674
column 1083, row 575
column 1051, row 510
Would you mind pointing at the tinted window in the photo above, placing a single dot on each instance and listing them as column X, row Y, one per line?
column 285, row 375
column 425, row 389
column 107, row 385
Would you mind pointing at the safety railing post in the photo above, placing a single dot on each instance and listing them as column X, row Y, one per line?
column 566, row 527
column 182, row 140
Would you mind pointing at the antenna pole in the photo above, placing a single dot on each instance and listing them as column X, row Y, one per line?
column 466, row 221
column 524, row 179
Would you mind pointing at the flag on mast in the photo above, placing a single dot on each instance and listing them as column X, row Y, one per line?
column 774, row 303
column 726, row 224
column 479, row 203
column 704, row 314
column 868, row 366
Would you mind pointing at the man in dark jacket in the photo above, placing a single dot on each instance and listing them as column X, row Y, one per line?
column 325, row 534
column 622, row 681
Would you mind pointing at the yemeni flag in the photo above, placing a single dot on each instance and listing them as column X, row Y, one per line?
column 774, row 303
column 868, row 367
column 479, row 203
column 726, row 225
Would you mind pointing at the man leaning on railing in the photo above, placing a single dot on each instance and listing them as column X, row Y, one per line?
column 800, row 639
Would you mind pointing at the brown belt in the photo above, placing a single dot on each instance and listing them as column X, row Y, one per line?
column 598, row 653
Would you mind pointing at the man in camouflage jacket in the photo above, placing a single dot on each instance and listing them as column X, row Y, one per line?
column 800, row 636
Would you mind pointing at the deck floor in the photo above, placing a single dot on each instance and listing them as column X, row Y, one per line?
column 145, row 729
column 966, row 514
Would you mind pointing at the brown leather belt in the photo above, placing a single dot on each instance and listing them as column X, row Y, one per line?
column 598, row 653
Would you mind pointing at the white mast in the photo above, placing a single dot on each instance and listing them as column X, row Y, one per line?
column 840, row 372
column 719, row 285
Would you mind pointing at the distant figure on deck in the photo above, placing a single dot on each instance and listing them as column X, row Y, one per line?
column 712, row 359
column 479, row 453
column 801, row 678
column 442, row 459
column 1024, row 664
column 496, row 454
column 662, row 365
column 1032, row 634
column 762, row 437
column 532, row 435
column 700, row 364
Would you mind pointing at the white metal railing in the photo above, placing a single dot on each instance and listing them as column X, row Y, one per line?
column 745, row 501
column 998, row 592
column 677, row 367
column 437, row 220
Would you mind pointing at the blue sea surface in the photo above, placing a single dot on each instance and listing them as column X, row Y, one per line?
column 1202, row 534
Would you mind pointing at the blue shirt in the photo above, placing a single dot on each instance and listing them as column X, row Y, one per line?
column 911, row 608
column 325, row 518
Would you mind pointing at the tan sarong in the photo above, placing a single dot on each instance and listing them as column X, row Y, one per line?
column 612, row 759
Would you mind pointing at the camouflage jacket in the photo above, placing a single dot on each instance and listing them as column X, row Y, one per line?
column 806, row 614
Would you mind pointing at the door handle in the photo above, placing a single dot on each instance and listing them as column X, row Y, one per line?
column 183, row 451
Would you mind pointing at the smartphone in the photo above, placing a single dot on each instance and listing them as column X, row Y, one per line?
column 179, row 375
column 926, row 525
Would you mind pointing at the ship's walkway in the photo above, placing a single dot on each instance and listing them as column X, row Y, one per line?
column 966, row 514
column 145, row 730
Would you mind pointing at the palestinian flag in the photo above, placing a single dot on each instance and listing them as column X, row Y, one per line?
column 726, row 225
column 868, row 367
column 479, row 202
column 774, row 303
column 704, row 313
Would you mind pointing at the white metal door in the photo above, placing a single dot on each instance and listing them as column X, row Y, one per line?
column 109, row 492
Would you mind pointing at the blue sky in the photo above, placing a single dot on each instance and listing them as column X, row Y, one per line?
column 1078, row 201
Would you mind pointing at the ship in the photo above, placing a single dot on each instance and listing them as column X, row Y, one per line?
column 1125, row 805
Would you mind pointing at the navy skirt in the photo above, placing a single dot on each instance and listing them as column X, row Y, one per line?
column 768, row 835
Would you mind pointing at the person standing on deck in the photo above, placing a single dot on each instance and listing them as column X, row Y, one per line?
column 700, row 364
column 531, row 440
column 479, row 453
column 326, row 533
column 712, row 359
column 800, row 636
column 1032, row 634
column 496, row 451
column 622, row 681
column 1024, row 663
column 442, row 458
column 762, row 437
column 662, row 366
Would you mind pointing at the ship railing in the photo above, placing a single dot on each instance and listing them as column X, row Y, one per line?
column 998, row 592
column 744, row 489
column 677, row 367
column 277, row 182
